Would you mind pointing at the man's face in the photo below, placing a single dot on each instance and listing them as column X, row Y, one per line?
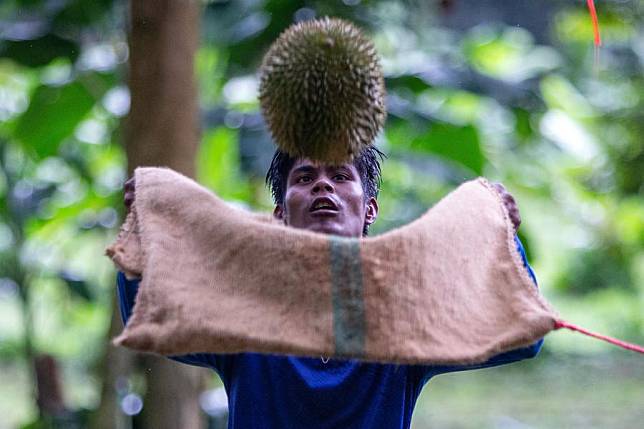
column 327, row 199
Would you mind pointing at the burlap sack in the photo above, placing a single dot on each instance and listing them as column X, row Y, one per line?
column 447, row 288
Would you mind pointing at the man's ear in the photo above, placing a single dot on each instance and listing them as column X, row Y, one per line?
column 278, row 212
column 372, row 211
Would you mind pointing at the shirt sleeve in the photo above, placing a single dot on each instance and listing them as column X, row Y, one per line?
column 508, row 357
column 127, row 291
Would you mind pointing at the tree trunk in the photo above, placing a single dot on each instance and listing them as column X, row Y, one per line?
column 163, row 125
column 162, row 129
column 117, row 364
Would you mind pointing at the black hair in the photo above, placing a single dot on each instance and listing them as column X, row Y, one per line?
column 367, row 163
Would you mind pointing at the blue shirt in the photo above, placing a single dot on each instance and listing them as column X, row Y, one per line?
column 267, row 391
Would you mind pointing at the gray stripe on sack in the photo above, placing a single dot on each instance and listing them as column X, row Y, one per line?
column 348, row 303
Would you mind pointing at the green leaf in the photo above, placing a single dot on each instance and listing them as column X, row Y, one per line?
column 410, row 82
column 82, row 12
column 77, row 286
column 55, row 111
column 218, row 165
column 523, row 127
column 527, row 247
column 210, row 66
column 575, row 26
column 559, row 93
column 39, row 52
column 459, row 144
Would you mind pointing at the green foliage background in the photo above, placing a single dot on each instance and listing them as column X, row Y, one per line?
column 519, row 97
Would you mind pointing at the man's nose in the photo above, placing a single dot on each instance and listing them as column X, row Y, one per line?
column 322, row 184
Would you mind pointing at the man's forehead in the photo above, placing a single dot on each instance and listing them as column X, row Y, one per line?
column 306, row 163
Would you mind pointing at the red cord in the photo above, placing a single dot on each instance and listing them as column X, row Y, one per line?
column 628, row 346
column 593, row 16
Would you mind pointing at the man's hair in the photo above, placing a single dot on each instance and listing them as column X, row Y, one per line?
column 367, row 163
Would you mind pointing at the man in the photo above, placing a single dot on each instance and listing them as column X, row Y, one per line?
column 266, row 391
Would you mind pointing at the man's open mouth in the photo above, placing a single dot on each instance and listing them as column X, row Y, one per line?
column 323, row 204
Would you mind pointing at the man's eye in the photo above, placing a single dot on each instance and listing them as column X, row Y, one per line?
column 340, row 177
column 303, row 179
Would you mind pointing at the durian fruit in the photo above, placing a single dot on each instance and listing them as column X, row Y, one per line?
column 322, row 91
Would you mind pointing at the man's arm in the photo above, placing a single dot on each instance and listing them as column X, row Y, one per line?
column 127, row 291
column 500, row 359
column 513, row 355
column 129, row 287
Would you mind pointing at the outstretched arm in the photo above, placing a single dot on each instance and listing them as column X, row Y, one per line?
column 127, row 291
column 128, row 288
column 512, row 355
column 502, row 358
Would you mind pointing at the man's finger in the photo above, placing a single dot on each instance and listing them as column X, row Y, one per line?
column 128, row 199
column 129, row 184
column 129, row 188
column 500, row 188
column 510, row 204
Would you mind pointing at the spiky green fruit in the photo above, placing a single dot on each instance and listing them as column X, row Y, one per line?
column 322, row 91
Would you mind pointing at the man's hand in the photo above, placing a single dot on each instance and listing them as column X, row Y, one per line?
column 128, row 190
column 510, row 204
